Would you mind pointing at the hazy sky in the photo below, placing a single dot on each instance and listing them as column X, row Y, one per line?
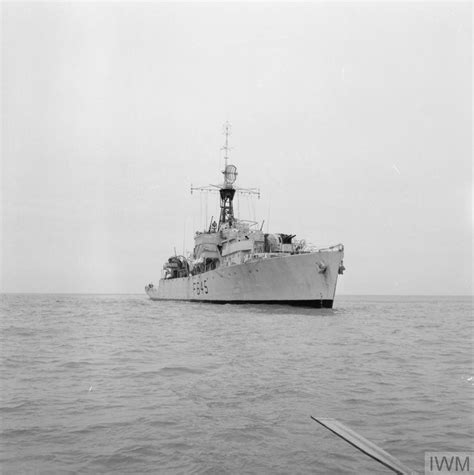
column 354, row 119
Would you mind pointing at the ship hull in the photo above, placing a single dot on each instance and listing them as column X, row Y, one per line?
column 307, row 280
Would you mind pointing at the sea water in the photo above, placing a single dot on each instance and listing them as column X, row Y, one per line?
column 123, row 384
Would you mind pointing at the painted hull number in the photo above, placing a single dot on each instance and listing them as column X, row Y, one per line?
column 200, row 287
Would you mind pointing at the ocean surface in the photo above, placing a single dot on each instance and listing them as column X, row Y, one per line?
column 122, row 384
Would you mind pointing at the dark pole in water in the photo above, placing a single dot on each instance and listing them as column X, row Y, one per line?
column 365, row 446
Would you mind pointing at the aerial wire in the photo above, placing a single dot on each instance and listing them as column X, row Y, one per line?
column 200, row 209
column 184, row 237
column 268, row 212
column 207, row 201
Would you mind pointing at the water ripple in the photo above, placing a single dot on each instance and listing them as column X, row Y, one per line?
column 123, row 384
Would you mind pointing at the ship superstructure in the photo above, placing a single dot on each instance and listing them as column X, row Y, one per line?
column 234, row 261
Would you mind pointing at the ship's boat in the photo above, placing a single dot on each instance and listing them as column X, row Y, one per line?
column 234, row 261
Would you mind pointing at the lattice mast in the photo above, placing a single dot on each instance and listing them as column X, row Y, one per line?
column 227, row 190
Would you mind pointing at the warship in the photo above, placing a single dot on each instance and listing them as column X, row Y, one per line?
column 234, row 261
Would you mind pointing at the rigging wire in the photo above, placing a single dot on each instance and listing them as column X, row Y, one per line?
column 184, row 237
column 207, row 201
column 200, row 210
column 268, row 212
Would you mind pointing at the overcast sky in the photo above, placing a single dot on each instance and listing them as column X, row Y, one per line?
column 353, row 119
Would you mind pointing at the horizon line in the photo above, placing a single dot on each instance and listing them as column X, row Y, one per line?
column 143, row 293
